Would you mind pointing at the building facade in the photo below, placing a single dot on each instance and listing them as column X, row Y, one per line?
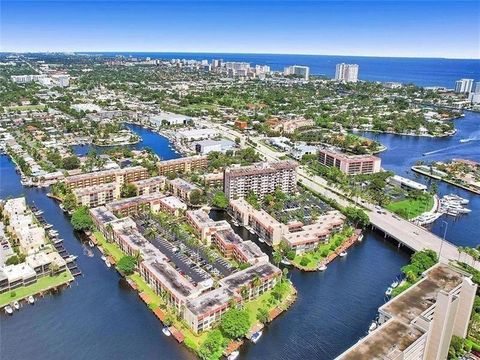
column 346, row 72
column 349, row 164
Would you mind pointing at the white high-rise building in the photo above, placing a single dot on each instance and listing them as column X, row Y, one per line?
column 346, row 72
column 302, row 71
column 476, row 88
column 464, row 86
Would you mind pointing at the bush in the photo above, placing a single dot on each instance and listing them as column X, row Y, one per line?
column 304, row 261
column 12, row 260
column 290, row 255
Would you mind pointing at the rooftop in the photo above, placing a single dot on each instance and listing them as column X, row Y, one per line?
column 209, row 301
column 261, row 168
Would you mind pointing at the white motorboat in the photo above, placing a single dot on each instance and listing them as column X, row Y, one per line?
column 16, row 305
column 91, row 244
column 31, row 300
column 322, row 267
column 166, row 332
column 256, row 336
column 108, row 263
column 261, row 240
column 389, row 291
column 233, row 355
column 103, row 258
column 71, row 258
column 343, row 253
column 373, row 326
column 394, row 284
column 360, row 238
column 8, row 310
column 251, row 231
column 285, row 262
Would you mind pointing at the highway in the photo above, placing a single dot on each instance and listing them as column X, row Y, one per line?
column 406, row 233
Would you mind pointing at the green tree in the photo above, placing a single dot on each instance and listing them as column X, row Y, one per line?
column 235, row 323
column 128, row 190
column 81, row 219
column 127, row 265
column 196, row 197
column 71, row 162
column 262, row 315
column 212, row 347
column 220, row 200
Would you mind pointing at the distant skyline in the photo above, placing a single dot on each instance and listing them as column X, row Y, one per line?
column 443, row 29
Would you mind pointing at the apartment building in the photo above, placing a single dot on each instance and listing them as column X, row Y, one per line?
column 419, row 323
column 204, row 226
column 297, row 70
column 266, row 227
column 204, row 311
column 464, row 86
column 120, row 176
column 346, row 72
column 260, row 178
column 97, row 195
column 182, row 165
column 305, row 238
column 182, row 188
column 136, row 204
column 151, row 185
column 172, row 205
column 232, row 246
column 198, row 304
column 349, row 164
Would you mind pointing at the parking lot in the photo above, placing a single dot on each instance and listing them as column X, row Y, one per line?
column 192, row 262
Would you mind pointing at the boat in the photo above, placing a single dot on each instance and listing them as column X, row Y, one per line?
column 31, row 300
column 233, row 355
column 108, row 263
column 261, row 240
column 285, row 262
column 234, row 222
column 8, row 310
column 71, row 258
column 389, row 291
column 251, row 231
column 103, row 258
column 48, row 226
column 465, row 140
column 91, row 244
column 373, row 326
column 16, row 305
column 38, row 213
column 394, row 284
column 166, row 332
column 322, row 267
column 256, row 336
column 343, row 253
column 360, row 238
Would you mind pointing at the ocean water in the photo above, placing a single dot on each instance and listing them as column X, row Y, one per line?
column 419, row 71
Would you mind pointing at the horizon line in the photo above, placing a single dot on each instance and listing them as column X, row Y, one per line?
column 77, row 52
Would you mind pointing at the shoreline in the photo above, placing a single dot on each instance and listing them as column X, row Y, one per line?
column 437, row 177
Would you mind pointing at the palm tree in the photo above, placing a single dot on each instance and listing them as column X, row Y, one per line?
column 109, row 229
column 277, row 257
column 151, row 232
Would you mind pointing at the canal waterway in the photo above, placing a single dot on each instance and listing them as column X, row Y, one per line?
column 100, row 317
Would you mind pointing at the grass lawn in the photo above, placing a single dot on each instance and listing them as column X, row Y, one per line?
column 111, row 249
column 267, row 301
column 42, row 284
column 410, row 208
column 323, row 250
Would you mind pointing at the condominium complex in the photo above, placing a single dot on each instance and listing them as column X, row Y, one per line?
column 93, row 196
column 150, row 185
column 199, row 304
column 299, row 237
column 182, row 188
column 120, row 176
column 419, row 323
column 346, row 72
column 136, row 204
column 182, row 165
column 464, row 86
column 349, row 164
column 260, row 178
column 297, row 70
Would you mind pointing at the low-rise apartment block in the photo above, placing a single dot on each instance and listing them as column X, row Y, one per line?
column 198, row 304
column 183, row 165
column 204, row 225
column 260, row 178
column 120, row 176
column 93, row 196
column 151, row 185
column 349, row 164
column 136, row 204
column 419, row 323
column 172, row 205
column 182, row 188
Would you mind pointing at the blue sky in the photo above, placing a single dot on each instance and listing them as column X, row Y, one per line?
column 381, row 28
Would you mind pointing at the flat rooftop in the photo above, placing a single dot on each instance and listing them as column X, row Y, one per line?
column 261, row 168
column 209, row 301
column 240, row 278
column 391, row 337
column 102, row 214
column 142, row 199
column 94, row 189
column 411, row 303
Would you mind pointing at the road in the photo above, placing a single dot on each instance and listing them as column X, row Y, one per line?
column 408, row 234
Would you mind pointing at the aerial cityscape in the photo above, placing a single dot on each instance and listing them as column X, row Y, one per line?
column 291, row 186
